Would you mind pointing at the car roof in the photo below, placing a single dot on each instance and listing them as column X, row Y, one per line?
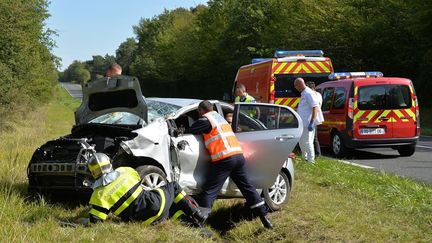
column 343, row 82
column 393, row 80
column 181, row 102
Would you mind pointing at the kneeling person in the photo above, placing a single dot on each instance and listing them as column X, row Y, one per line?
column 120, row 192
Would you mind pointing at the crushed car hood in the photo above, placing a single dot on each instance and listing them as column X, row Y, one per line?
column 111, row 94
column 152, row 141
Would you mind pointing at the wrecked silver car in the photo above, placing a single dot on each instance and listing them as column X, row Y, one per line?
column 143, row 133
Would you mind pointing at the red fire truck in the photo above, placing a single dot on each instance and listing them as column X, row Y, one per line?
column 271, row 80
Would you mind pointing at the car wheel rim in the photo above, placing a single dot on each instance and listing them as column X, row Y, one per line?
column 336, row 144
column 278, row 192
column 153, row 180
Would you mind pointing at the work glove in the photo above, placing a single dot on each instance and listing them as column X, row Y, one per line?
column 81, row 221
column 311, row 127
column 84, row 221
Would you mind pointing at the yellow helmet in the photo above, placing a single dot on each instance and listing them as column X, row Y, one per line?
column 99, row 164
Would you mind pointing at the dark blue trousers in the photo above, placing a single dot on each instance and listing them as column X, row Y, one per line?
column 233, row 167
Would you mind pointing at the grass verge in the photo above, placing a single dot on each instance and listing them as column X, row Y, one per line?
column 330, row 201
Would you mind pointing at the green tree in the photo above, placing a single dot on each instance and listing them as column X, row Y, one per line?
column 125, row 54
column 98, row 65
column 77, row 73
column 27, row 67
column 197, row 52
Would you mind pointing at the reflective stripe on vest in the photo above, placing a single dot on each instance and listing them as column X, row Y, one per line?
column 117, row 195
column 177, row 214
column 98, row 213
column 161, row 209
column 128, row 201
column 179, row 196
column 220, row 142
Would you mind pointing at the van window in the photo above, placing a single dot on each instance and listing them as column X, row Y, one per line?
column 327, row 99
column 400, row 96
column 284, row 84
column 339, row 100
column 378, row 97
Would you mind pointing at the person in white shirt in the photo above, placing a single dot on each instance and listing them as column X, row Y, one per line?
column 319, row 118
column 307, row 109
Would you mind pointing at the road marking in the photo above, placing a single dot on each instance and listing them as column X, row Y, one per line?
column 355, row 164
column 421, row 146
column 351, row 163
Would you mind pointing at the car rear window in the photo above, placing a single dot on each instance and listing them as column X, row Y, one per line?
column 379, row 97
column 284, row 84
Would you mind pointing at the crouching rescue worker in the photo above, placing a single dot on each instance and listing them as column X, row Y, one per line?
column 227, row 160
column 120, row 192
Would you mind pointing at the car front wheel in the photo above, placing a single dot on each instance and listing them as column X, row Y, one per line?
column 152, row 176
column 278, row 194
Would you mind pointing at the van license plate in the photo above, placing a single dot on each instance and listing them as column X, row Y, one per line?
column 372, row 131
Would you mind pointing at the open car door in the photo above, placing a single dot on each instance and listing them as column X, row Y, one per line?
column 268, row 134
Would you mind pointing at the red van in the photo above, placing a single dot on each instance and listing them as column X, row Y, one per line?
column 365, row 109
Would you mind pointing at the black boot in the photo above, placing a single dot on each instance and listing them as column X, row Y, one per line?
column 266, row 222
column 199, row 217
column 189, row 206
column 262, row 211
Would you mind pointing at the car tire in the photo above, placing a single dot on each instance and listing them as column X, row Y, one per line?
column 338, row 146
column 278, row 194
column 152, row 177
column 406, row 151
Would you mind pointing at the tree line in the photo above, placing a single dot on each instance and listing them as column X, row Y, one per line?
column 27, row 68
column 196, row 52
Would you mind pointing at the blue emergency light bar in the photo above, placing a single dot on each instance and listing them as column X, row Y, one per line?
column 306, row 53
column 256, row 60
column 345, row 75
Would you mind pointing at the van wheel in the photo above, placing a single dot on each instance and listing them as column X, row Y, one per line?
column 152, row 177
column 338, row 146
column 278, row 194
column 406, row 150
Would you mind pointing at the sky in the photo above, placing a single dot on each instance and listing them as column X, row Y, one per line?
column 97, row 27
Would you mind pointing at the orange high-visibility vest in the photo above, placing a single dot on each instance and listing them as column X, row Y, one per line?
column 221, row 142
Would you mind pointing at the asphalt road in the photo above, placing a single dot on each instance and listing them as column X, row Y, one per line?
column 73, row 89
column 417, row 167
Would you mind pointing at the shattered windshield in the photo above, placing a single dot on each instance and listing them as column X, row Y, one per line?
column 119, row 118
column 156, row 109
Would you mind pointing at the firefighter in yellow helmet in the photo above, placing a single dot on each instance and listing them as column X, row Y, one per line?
column 120, row 192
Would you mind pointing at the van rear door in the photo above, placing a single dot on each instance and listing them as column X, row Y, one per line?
column 384, row 108
column 401, row 97
column 371, row 118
